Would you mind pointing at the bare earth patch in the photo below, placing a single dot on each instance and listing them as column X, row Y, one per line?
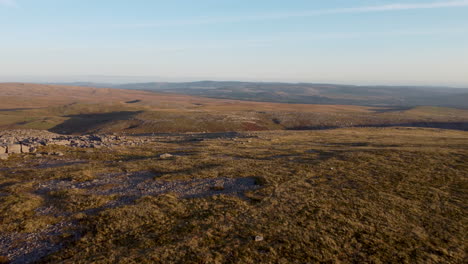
column 143, row 183
column 31, row 247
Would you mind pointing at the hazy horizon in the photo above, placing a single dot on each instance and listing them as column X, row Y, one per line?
column 116, row 80
column 366, row 42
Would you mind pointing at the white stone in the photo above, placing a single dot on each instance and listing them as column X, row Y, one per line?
column 24, row 149
column 258, row 238
column 166, row 156
column 61, row 142
column 14, row 148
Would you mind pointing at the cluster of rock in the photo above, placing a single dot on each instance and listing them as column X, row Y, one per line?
column 11, row 143
column 27, row 141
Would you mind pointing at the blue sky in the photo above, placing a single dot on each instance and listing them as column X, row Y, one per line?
column 338, row 41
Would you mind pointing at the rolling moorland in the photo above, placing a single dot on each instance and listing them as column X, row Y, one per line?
column 69, row 110
column 129, row 176
column 309, row 93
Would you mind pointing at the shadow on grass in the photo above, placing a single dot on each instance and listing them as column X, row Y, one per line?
column 194, row 137
column 85, row 123
column 463, row 126
column 16, row 109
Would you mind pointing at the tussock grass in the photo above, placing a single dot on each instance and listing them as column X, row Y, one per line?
column 18, row 215
column 76, row 200
column 379, row 195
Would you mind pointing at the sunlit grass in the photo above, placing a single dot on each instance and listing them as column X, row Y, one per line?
column 346, row 195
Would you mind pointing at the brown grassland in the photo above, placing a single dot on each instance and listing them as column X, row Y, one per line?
column 68, row 109
column 351, row 195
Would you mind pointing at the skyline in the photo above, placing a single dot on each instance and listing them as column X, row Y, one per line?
column 367, row 42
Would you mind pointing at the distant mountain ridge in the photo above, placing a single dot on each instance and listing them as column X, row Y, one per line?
column 308, row 93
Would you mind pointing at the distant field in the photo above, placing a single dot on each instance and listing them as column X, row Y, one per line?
column 68, row 109
column 310, row 93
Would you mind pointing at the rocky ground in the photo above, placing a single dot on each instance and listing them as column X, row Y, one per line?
column 361, row 195
column 123, row 188
column 27, row 141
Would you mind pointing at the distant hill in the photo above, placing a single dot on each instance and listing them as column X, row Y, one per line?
column 73, row 109
column 310, row 93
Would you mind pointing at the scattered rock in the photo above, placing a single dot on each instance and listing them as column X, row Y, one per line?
column 27, row 141
column 62, row 142
column 14, row 148
column 166, row 156
column 25, row 149
column 258, row 238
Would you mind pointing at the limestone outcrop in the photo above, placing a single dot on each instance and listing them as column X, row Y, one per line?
column 28, row 141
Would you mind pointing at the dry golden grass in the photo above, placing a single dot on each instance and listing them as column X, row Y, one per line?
column 17, row 213
column 68, row 109
column 24, row 95
column 76, row 200
column 381, row 195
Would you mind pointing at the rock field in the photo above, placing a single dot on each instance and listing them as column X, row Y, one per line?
column 27, row 141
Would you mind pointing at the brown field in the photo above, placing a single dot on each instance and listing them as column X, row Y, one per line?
column 13, row 95
column 66, row 109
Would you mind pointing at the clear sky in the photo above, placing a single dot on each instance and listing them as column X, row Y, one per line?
column 338, row 41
